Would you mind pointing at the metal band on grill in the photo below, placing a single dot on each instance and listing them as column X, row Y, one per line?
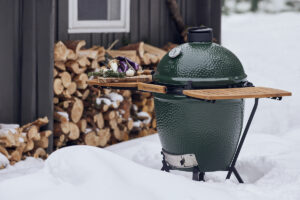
column 180, row 161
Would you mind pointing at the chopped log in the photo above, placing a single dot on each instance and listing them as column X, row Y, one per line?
column 33, row 133
column 29, row 146
column 154, row 50
column 90, row 139
column 61, row 116
column 118, row 134
column 55, row 100
column 146, row 59
column 72, row 88
column 78, row 94
column 154, row 123
column 109, row 115
column 125, row 93
column 65, row 95
column 98, row 119
column 58, row 86
column 82, row 124
column 40, row 153
column 55, row 72
column 95, row 64
column 153, row 58
column 62, row 127
column 15, row 156
column 104, row 137
column 8, row 139
column 83, row 62
column 75, row 45
column 85, row 94
column 66, row 79
column 46, row 133
column 74, row 131
column 76, row 110
column 100, row 50
column 60, row 65
column 81, row 81
column 139, row 47
column 43, row 142
column 129, row 124
column 63, row 105
column 113, row 124
column 60, row 52
column 89, row 53
column 39, row 122
column 71, row 55
column 4, row 152
column 73, row 66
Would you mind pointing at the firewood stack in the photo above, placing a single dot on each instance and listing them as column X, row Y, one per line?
column 94, row 116
column 16, row 143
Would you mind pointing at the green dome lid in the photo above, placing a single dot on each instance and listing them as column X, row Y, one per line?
column 205, row 64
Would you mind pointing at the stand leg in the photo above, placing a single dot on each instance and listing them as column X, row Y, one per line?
column 165, row 166
column 197, row 175
column 237, row 175
column 232, row 166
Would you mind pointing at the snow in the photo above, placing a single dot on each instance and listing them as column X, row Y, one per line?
column 137, row 123
column 64, row 114
column 266, row 6
column 115, row 97
column 3, row 161
column 6, row 129
column 9, row 126
column 145, row 114
column 104, row 100
column 268, row 46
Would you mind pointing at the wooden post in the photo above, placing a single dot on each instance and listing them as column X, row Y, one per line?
column 215, row 19
column 45, row 61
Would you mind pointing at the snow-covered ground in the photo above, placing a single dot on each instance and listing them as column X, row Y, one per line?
column 269, row 48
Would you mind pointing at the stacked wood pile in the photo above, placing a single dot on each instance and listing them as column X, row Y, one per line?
column 16, row 143
column 95, row 116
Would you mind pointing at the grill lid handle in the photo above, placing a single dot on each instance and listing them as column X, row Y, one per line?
column 200, row 34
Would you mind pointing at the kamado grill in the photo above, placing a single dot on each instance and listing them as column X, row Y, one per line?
column 199, row 90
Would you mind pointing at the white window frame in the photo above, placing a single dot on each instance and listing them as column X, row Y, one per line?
column 99, row 26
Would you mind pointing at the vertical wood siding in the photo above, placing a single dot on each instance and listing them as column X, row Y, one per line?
column 26, row 54
column 10, row 60
column 150, row 21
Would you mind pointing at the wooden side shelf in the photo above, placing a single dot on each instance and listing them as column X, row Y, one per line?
column 121, row 85
column 152, row 88
column 236, row 93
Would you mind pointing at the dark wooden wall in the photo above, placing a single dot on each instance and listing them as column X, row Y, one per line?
column 150, row 21
column 26, row 54
column 10, row 61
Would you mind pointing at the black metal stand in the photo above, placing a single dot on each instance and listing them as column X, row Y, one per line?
column 238, row 150
column 199, row 176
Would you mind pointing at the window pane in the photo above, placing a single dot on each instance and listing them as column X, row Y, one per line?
column 92, row 9
column 99, row 9
column 114, row 9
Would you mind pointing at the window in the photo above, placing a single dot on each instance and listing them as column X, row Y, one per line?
column 99, row 16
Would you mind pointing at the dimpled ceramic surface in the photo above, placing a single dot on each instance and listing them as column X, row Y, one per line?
column 209, row 130
column 205, row 64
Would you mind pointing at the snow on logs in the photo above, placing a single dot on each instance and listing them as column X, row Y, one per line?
column 16, row 142
column 95, row 116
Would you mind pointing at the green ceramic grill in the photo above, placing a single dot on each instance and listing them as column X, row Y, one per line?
column 199, row 90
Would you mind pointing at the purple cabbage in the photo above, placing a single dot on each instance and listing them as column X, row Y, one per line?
column 123, row 67
column 133, row 64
